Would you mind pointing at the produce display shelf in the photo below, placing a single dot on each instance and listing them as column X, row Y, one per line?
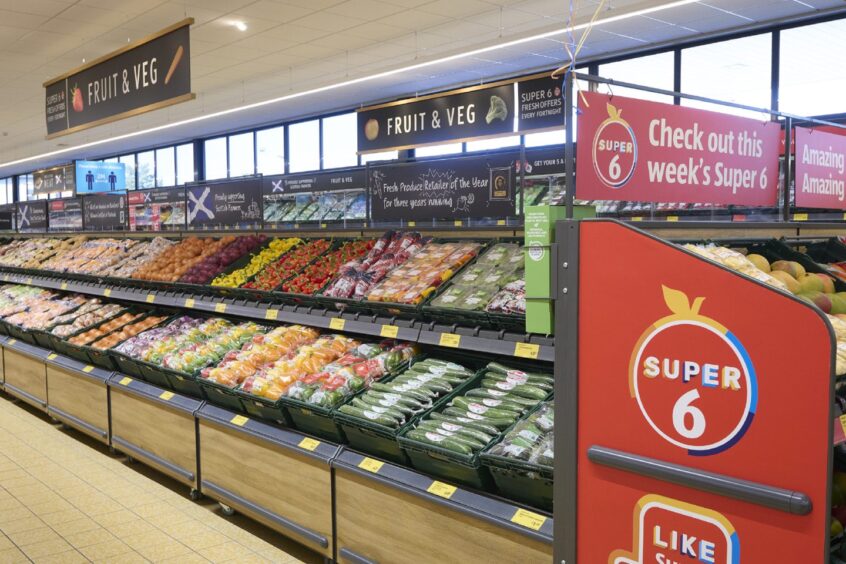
column 502, row 342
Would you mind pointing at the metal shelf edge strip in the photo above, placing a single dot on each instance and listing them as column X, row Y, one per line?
column 314, row 537
column 788, row 501
column 26, row 396
column 76, row 421
column 354, row 557
column 143, row 453
column 461, row 508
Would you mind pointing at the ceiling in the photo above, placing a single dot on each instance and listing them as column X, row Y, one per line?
column 296, row 46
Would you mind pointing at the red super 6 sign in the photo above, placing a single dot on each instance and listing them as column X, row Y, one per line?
column 687, row 363
column 635, row 150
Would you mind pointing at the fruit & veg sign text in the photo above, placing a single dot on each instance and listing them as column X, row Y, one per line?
column 693, row 369
column 636, row 150
column 138, row 78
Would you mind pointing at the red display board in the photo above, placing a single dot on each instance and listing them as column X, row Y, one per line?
column 687, row 363
column 820, row 169
column 634, row 150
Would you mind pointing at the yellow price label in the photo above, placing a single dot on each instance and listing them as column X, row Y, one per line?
column 528, row 519
column 6, row 276
column 800, row 217
column 220, row 308
column 189, row 302
column 239, row 420
column 52, row 356
column 64, row 286
column 389, row 331
column 337, row 323
column 672, row 218
column 29, row 281
column 412, row 224
column 107, row 292
column 296, row 226
column 323, row 226
column 371, row 465
column 458, row 223
column 309, row 444
column 166, row 395
column 88, row 368
column 271, row 314
column 441, row 489
column 526, row 350
column 843, row 423
column 500, row 222
column 449, row 340
column 637, row 218
column 125, row 381
column 150, row 298
column 11, row 341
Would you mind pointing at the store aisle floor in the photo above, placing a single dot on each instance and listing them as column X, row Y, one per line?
column 65, row 499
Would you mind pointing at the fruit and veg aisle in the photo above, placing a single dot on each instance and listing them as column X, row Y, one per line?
column 213, row 329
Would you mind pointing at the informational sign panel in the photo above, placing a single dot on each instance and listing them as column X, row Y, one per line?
column 635, row 150
column 465, row 187
column 469, row 113
column 143, row 76
column 227, row 204
column 7, row 217
column 540, row 104
column 54, row 179
column 314, row 182
column 545, row 161
column 104, row 212
column 98, row 176
column 65, row 215
column 157, row 210
column 31, row 216
column 693, row 365
column 820, row 169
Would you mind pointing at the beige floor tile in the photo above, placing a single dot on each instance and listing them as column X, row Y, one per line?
column 67, row 557
column 165, row 550
column 64, row 516
column 12, row 556
column 147, row 540
column 32, row 536
column 9, row 504
column 190, row 559
column 75, row 526
column 87, row 538
column 46, row 548
column 51, row 506
column 132, row 528
column 105, row 550
column 22, row 524
column 127, row 558
column 221, row 553
column 116, row 517
column 5, row 542
column 251, row 559
column 203, row 540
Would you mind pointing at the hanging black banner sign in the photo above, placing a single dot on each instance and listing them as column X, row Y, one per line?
column 104, row 212
column 54, row 179
column 540, row 104
column 470, row 113
column 228, row 204
column 7, row 217
column 65, row 215
column 546, row 161
column 465, row 187
column 32, row 216
column 141, row 77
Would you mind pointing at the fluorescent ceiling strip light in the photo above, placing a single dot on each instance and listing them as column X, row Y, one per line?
column 351, row 82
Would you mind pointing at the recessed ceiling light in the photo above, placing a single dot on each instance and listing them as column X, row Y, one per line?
column 240, row 26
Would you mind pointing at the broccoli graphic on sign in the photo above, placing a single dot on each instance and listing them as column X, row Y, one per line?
column 496, row 110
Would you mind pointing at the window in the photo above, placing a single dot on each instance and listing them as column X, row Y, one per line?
column 146, row 169
column 495, row 143
column 270, row 151
column 241, row 155
column 381, row 156
column 731, row 71
column 111, row 160
column 656, row 71
column 185, row 163
column 6, row 185
column 165, row 167
column 438, row 150
column 25, row 187
column 215, row 157
column 340, row 140
column 812, row 76
column 304, row 146
column 129, row 162
column 556, row 137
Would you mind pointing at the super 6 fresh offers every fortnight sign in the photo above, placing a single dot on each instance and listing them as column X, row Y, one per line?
column 820, row 169
column 635, row 150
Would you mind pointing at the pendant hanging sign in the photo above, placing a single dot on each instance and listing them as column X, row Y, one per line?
column 820, row 169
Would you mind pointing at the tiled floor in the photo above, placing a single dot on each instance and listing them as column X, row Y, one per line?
column 65, row 499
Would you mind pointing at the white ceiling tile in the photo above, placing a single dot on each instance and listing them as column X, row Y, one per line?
column 264, row 43
column 295, row 33
column 370, row 9
column 273, row 11
column 453, row 9
column 414, row 19
column 326, row 22
column 377, row 31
